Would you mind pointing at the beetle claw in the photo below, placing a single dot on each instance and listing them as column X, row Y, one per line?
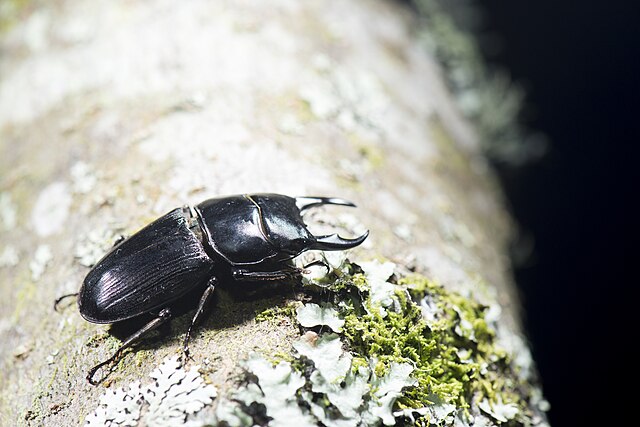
column 333, row 242
column 305, row 203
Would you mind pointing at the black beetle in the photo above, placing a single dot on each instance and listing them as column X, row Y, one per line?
column 250, row 237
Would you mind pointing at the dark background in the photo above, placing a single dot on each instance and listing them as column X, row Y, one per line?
column 579, row 62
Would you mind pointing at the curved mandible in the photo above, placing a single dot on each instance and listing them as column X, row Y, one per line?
column 330, row 242
column 304, row 203
column 333, row 242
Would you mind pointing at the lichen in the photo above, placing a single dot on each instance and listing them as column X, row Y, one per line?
column 8, row 212
column 488, row 97
column 92, row 245
column 41, row 259
column 51, row 210
column 174, row 394
column 419, row 355
column 83, row 178
column 310, row 315
column 9, row 257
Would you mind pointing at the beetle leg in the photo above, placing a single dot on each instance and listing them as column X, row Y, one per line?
column 58, row 300
column 163, row 316
column 243, row 274
column 204, row 300
column 314, row 263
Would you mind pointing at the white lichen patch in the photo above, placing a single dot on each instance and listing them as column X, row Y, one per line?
column 232, row 414
column 330, row 383
column 311, row 315
column 378, row 273
column 326, row 353
column 429, row 309
column 169, row 400
column 278, row 387
column 290, row 125
column 502, row 412
column 394, row 380
column 355, row 99
column 41, row 259
column 438, row 410
column 175, row 394
column 464, row 328
column 359, row 395
column 348, row 395
column 515, row 345
column 51, row 209
column 8, row 212
column 192, row 177
column 9, row 257
column 93, row 245
column 317, row 266
column 83, row 178
column 120, row 407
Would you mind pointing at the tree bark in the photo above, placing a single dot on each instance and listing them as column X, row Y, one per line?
column 113, row 113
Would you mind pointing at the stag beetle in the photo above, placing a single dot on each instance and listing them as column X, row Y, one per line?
column 249, row 237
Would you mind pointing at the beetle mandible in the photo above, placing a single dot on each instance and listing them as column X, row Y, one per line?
column 249, row 237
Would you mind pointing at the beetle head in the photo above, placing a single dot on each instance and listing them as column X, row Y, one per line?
column 281, row 218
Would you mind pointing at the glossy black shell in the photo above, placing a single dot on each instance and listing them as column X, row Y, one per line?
column 155, row 266
column 254, row 229
column 174, row 254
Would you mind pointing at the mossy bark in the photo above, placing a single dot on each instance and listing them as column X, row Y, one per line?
column 112, row 113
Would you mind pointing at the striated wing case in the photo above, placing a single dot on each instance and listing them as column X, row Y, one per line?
column 152, row 268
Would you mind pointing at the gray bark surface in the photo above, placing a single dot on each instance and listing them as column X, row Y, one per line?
column 112, row 113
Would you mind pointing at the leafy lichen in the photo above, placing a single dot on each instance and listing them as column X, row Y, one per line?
column 488, row 97
column 174, row 394
column 310, row 315
column 420, row 354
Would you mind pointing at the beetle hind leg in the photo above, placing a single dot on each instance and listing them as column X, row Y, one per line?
column 163, row 317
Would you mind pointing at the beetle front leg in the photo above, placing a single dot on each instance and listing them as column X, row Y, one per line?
column 163, row 317
column 204, row 301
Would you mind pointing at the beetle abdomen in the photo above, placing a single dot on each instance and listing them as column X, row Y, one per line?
column 152, row 268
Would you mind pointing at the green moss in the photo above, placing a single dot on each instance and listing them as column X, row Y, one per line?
column 278, row 313
column 454, row 354
column 428, row 351
column 357, row 281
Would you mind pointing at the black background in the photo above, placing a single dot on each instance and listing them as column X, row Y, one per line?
column 579, row 62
